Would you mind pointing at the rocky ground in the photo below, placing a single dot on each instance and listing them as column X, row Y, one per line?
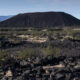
column 63, row 67
column 45, row 68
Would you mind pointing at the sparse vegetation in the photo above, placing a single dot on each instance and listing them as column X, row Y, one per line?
column 28, row 53
column 55, row 52
column 53, row 34
column 4, row 55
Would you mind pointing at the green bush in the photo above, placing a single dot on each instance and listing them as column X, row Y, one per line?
column 4, row 55
column 55, row 52
column 0, row 44
column 27, row 53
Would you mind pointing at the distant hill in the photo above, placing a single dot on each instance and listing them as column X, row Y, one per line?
column 41, row 19
column 2, row 18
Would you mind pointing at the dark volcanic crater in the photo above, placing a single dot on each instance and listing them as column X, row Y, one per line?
column 41, row 19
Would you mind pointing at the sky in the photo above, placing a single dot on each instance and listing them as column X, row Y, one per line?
column 13, row 7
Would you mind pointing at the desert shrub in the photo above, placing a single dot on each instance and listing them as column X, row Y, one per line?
column 27, row 53
column 3, row 56
column 0, row 44
column 76, row 35
column 55, row 52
